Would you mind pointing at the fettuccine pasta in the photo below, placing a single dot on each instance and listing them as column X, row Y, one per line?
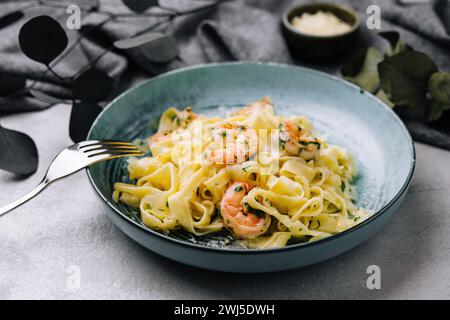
column 266, row 179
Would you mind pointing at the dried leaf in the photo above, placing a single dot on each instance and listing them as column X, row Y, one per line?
column 81, row 119
column 42, row 39
column 19, row 153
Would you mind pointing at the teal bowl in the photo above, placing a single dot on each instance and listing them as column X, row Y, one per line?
column 350, row 117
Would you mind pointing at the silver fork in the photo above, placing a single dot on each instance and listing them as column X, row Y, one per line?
column 75, row 158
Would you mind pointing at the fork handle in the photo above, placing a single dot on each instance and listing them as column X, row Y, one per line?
column 41, row 186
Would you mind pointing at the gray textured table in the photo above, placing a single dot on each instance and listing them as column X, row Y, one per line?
column 62, row 236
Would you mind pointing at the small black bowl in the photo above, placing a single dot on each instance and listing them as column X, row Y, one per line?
column 314, row 47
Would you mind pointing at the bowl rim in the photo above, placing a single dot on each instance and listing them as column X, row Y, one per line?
column 355, row 26
column 364, row 223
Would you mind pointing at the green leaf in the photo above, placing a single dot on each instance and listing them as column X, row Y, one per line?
column 439, row 88
column 19, row 154
column 436, row 110
column 393, row 37
column 397, row 45
column 140, row 5
column 383, row 97
column 44, row 97
column 404, row 78
column 154, row 46
column 362, row 70
column 353, row 66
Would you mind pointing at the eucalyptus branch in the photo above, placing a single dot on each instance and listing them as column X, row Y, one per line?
column 154, row 41
column 93, row 62
column 151, row 28
column 50, row 67
column 200, row 9
column 60, row 78
column 171, row 15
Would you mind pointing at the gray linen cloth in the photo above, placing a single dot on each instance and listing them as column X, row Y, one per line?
column 247, row 30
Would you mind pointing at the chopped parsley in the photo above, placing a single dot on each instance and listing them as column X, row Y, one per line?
column 306, row 143
column 316, row 143
column 256, row 212
column 303, row 143
column 353, row 217
column 342, row 186
column 282, row 143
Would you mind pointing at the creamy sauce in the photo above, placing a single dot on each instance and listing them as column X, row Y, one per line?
column 320, row 24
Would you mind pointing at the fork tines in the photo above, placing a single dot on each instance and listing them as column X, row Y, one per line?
column 94, row 148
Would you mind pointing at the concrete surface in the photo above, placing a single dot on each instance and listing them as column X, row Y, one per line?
column 62, row 246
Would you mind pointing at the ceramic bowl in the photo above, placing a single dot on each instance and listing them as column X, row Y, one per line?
column 313, row 47
column 348, row 116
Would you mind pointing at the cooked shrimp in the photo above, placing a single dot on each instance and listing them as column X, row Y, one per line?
column 231, row 144
column 180, row 119
column 159, row 136
column 257, row 106
column 296, row 141
column 236, row 215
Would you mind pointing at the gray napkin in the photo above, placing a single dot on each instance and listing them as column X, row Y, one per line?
column 246, row 30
